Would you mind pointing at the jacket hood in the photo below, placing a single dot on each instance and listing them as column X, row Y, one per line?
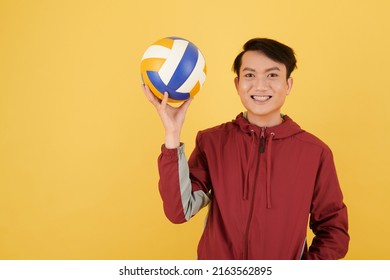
column 286, row 129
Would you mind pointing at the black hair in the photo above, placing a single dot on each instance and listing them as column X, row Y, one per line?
column 272, row 49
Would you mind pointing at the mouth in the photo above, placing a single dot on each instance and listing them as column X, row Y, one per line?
column 261, row 98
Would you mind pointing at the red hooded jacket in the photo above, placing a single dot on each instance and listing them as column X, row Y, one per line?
column 262, row 186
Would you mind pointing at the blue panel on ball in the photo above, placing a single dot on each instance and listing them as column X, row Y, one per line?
column 185, row 67
column 155, row 79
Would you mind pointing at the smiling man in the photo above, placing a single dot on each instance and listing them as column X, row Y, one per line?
column 263, row 86
column 262, row 176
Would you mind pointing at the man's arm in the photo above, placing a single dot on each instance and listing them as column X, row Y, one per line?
column 182, row 198
column 328, row 219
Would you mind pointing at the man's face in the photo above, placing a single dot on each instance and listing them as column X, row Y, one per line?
column 262, row 87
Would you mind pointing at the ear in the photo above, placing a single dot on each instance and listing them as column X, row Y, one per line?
column 236, row 81
column 290, row 82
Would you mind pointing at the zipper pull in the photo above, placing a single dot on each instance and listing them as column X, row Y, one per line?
column 262, row 140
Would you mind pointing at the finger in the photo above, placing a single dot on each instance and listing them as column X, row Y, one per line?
column 150, row 96
column 146, row 91
column 186, row 104
column 164, row 101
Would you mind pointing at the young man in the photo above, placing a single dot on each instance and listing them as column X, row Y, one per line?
column 262, row 176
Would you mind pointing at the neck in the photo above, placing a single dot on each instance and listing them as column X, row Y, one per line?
column 264, row 121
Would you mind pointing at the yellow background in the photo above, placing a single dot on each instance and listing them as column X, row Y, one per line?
column 79, row 141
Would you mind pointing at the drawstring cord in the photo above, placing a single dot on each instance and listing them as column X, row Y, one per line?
column 268, row 183
column 246, row 180
column 268, row 167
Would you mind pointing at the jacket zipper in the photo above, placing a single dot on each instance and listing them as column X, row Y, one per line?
column 262, row 140
column 246, row 242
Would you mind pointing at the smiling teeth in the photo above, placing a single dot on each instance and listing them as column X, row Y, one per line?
column 261, row 98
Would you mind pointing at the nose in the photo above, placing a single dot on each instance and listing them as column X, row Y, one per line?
column 261, row 83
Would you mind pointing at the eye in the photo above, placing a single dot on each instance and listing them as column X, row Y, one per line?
column 273, row 75
column 249, row 75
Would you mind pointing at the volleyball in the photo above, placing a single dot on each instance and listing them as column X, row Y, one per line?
column 174, row 65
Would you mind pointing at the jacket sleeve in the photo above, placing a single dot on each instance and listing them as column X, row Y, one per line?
column 182, row 197
column 328, row 218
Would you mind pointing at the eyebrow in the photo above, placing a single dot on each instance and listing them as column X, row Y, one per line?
column 266, row 70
